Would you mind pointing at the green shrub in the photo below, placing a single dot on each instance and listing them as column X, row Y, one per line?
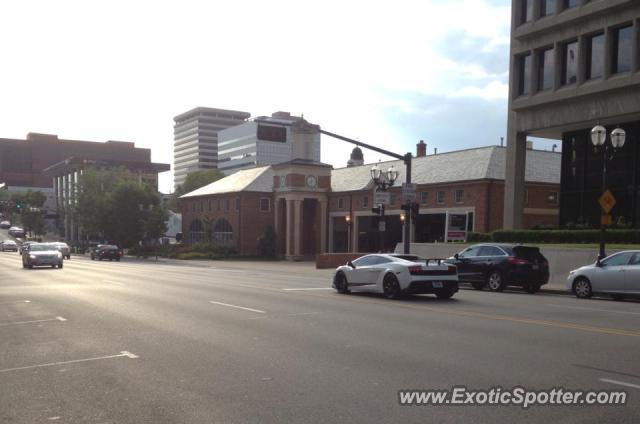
column 478, row 237
column 267, row 243
column 193, row 255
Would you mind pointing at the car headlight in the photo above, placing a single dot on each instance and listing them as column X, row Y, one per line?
column 32, row 256
column 572, row 272
column 59, row 255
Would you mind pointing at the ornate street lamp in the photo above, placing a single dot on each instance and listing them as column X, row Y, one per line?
column 599, row 139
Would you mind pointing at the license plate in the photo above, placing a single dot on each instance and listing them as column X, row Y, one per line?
column 437, row 284
column 536, row 267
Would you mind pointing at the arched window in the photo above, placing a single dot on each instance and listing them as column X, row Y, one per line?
column 196, row 231
column 222, row 233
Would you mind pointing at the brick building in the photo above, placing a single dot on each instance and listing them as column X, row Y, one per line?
column 315, row 208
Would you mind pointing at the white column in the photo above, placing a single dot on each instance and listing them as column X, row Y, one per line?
column 276, row 203
column 446, row 225
column 289, row 232
column 354, row 234
column 297, row 226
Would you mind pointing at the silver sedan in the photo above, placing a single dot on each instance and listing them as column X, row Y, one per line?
column 617, row 275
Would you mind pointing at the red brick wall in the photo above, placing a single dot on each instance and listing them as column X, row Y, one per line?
column 22, row 161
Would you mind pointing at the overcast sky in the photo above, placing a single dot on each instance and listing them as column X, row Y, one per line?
column 386, row 73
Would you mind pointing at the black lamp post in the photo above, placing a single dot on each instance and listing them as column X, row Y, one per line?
column 599, row 139
column 383, row 180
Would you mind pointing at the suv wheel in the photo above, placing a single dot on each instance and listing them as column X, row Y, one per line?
column 494, row 281
column 532, row 288
column 477, row 285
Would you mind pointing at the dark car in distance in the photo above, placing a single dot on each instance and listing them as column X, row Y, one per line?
column 497, row 266
column 106, row 251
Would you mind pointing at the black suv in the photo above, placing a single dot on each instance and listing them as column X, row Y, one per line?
column 106, row 251
column 500, row 265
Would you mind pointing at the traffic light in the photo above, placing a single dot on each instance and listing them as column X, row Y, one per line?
column 18, row 206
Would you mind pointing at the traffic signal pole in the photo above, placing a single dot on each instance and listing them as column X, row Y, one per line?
column 406, row 159
column 407, row 214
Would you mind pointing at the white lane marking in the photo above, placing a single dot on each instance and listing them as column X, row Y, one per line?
column 620, row 383
column 5, row 324
column 15, row 301
column 238, row 307
column 123, row 354
column 309, row 288
column 113, row 282
column 594, row 309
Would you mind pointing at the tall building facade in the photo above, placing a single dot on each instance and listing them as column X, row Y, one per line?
column 264, row 141
column 196, row 139
column 575, row 64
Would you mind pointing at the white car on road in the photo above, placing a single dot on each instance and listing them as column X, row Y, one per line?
column 395, row 275
column 617, row 275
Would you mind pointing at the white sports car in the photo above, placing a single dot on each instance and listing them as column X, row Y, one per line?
column 395, row 275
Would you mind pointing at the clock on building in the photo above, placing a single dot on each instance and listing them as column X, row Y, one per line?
column 312, row 182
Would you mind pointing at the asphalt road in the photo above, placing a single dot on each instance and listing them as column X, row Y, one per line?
column 234, row 342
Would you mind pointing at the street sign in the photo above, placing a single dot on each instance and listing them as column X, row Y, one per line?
column 607, row 201
column 605, row 219
column 409, row 191
column 382, row 198
column 382, row 226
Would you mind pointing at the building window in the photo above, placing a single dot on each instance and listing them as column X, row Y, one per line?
column 552, row 197
column 459, row 196
column 219, row 205
column 570, row 63
column 524, row 74
column 227, row 205
column 622, row 50
column 265, row 204
column 393, row 199
column 193, row 206
column 237, row 203
column 209, row 205
column 545, row 69
column 222, row 233
column 526, row 196
column 196, row 231
column 568, row 4
column 440, row 197
column 424, row 196
column 341, row 203
column 526, row 11
column 365, row 202
column 595, row 57
column 547, row 7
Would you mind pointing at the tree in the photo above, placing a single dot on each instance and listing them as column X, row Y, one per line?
column 120, row 210
column 194, row 181
column 29, row 206
column 267, row 243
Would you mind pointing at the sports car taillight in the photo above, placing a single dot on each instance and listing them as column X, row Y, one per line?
column 517, row 261
column 414, row 269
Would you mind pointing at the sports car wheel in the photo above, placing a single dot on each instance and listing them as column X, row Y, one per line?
column 60, row 265
column 391, row 287
column 582, row 288
column 494, row 281
column 342, row 286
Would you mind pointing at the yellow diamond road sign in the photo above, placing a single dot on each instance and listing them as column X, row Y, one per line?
column 607, row 201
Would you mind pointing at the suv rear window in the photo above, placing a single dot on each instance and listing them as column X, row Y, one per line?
column 528, row 253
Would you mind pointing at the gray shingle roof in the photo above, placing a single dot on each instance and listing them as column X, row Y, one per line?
column 463, row 165
column 253, row 179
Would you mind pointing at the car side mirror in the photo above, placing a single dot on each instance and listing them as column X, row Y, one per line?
column 456, row 256
column 351, row 265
